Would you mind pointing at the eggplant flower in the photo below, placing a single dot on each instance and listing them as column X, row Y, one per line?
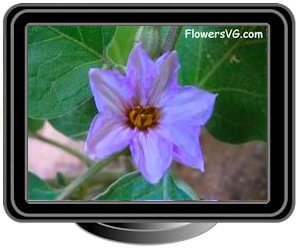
column 148, row 110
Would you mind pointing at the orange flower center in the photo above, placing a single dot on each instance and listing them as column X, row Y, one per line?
column 143, row 117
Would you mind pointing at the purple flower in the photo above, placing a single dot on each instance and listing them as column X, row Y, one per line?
column 150, row 112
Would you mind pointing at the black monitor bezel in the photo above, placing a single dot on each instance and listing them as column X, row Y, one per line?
column 281, row 25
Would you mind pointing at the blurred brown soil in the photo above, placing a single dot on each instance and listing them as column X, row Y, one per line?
column 46, row 160
column 232, row 172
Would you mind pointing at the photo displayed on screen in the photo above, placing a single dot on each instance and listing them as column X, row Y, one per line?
column 147, row 113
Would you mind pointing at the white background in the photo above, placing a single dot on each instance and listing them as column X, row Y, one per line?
column 284, row 235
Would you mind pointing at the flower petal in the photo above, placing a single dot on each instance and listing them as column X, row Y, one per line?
column 152, row 155
column 173, row 78
column 167, row 76
column 188, row 105
column 186, row 149
column 110, row 90
column 107, row 135
column 140, row 73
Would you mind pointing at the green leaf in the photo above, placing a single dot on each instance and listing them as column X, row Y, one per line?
column 34, row 125
column 38, row 189
column 236, row 69
column 60, row 179
column 59, row 58
column 122, row 44
column 76, row 122
column 133, row 186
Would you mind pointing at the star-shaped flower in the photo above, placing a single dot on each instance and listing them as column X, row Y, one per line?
column 150, row 112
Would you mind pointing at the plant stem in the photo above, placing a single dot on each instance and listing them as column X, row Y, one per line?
column 82, row 178
column 165, row 185
column 171, row 38
column 108, row 62
column 66, row 148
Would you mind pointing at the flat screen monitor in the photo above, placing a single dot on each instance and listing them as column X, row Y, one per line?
column 141, row 113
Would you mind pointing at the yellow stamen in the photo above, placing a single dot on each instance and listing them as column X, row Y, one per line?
column 143, row 117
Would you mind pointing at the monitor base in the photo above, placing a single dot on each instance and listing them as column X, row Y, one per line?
column 147, row 233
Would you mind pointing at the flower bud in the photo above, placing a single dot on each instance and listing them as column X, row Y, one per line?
column 150, row 37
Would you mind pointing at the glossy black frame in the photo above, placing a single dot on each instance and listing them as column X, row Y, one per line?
column 281, row 132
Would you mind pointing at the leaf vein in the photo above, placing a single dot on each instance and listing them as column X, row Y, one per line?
column 46, row 40
column 228, row 89
column 81, row 44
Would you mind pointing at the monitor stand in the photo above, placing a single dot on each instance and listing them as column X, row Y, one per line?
column 147, row 233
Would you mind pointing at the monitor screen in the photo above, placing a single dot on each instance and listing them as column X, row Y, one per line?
column 148, row 113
